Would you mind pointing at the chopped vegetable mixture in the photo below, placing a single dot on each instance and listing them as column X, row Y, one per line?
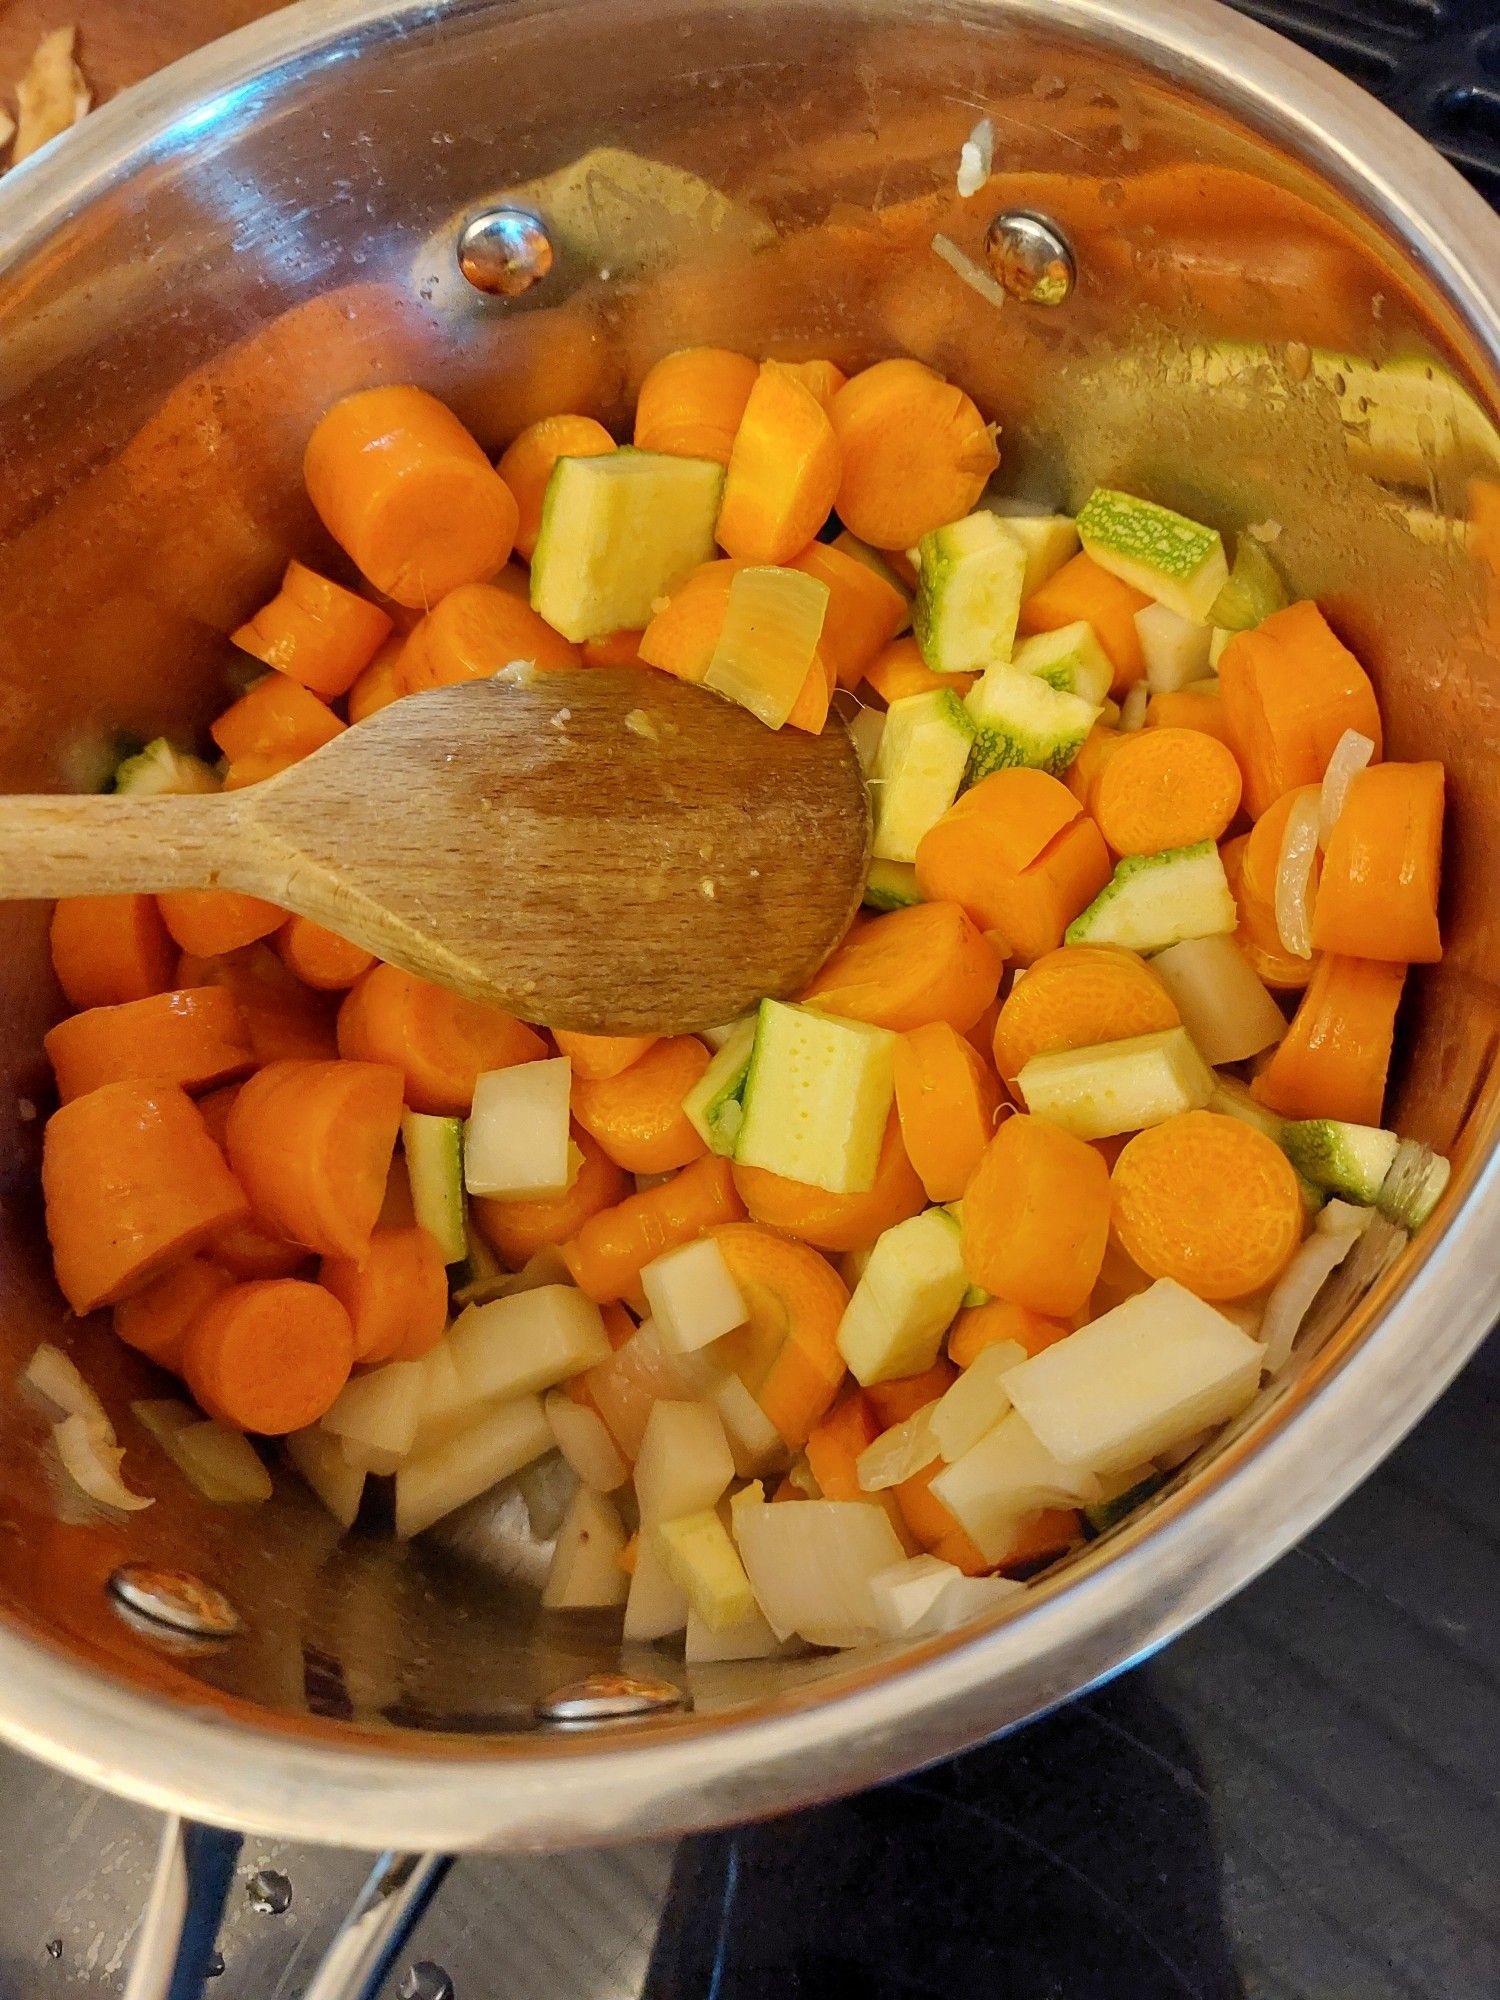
column 847, row 1316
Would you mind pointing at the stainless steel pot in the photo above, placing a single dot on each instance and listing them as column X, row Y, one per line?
column 193, row 275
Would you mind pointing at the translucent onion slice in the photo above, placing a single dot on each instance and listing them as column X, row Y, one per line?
column 1296, row 1288
column 91, row 1459
column 1299, row 849
column 1133, row 708
column 51, row 1375
column 1350, row 755
column 898, row 1453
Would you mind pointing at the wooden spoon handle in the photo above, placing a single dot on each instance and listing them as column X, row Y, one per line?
column 105, row 845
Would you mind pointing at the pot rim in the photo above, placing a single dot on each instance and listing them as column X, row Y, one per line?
column 1110, row 1609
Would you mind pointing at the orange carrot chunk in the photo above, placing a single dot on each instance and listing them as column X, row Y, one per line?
column 1199, row 707
column 1333, row 1059
column 475, row 631
column 682, row 636
column 900, row 670
column 109, row 949
column 1076, row 997
column 157, row 1320
column 408, row 495
column 637, row 1116
column 927, row 963
column 947, row 1098
column 979, row 1327
column 396, row 1295
column 285, row 1020
column 1209, row 1201
column 195, row 1038
column 381, row 683
column 934, row 1527
column 1291, row 689
column 971, row 858
column 824, row 378
column 1081, row 589
column 833, row 1447
column 915, row 451
column 270, row 1357
column 1378, row 894
column 864, row 611
column 275, row 725
column 1166, row 788
column 526, row 465
column 321, row 958
column 207, row 922
column 243, row 1248
column 786, row 1354
column 518, row 1229
column 893, row 1402
column 315, row 632
column 312, row 1143
column 783, row 472
column 691, row 402
column 1036, row 1217
column 440, row 1042
column 607, row 1253
column 837, row 1222
column 1095, row 751
column 133, row 1184
column 615, row 649
column 598, row 1057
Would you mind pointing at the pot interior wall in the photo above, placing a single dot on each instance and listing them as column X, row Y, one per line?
column 773, row 180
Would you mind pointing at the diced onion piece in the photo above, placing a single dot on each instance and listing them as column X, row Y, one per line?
column 692, row 1295
column 583, row 1439
column 1350, row 755
column 339, row 1486
column 586, row 1573
column 977, row 1400
column 432, row 1483
column 1133, row 708
column 547, row 1486
column 897, row 1454
column 446, row 1401
column 1292, row 1296
column 165, row 1417
column 656, row 1607
column 684, row 1464
column 963, row 266
column 752, row 1639
column 222, row 1463
column 867, row 728
column 1223, row 1004
column 976, row 158
column 810, row 1567
column 380, row 1410
column 51, row 1375
column 1010, row 1473
column 1299, row 849
column 528, row 1341
column 906, row 1593
column 1343, row 1218
column 965, row 1599
column 91, row 1459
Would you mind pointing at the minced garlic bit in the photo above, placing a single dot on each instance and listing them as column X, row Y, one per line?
column 25, row 1110
column 706, row 889
column 520, row 673
column 562, row 718
column 640, row 724
column 51, row 96
column 976, row 158
column 1264, row 531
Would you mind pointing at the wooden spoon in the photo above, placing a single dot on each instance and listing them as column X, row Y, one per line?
column 606, row 850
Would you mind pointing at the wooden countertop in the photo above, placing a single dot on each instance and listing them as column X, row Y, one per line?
column 119, row 41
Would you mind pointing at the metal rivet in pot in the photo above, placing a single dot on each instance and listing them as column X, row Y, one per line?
column 609, row 1698
column 177, row 1599
column 1030, row 257
column 504, row 252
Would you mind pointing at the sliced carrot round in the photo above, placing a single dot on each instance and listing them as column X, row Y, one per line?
column 320, row 957
column 518, row 1229
column 396, row 1295
column 1378, row 894
column 208, row 922
column 440, row 1042
column 315, row 632
column 899, row 670
column 786, row 1353
column 1075, row 997
column 599, row 1056
column 476, row 631
column 109, row 949
column 311, row 1143
column 683, row 634
column 1207, row 1200
column 927, row 963
column 783, row 471
column 381, row 683
column 637, row 1116
column 270, row 1357
column 915, row 453
column 156, row 1321
column 837, row 1222
column 606, row 1254
column 691, row 402
column 946, row 1099
column 1333, row 1060
column 1036, row 1217
column 1166, row 788
column 285, row 1020
column 195, row 1038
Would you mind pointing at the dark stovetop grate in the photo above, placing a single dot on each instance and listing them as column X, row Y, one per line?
column 1436, row 62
